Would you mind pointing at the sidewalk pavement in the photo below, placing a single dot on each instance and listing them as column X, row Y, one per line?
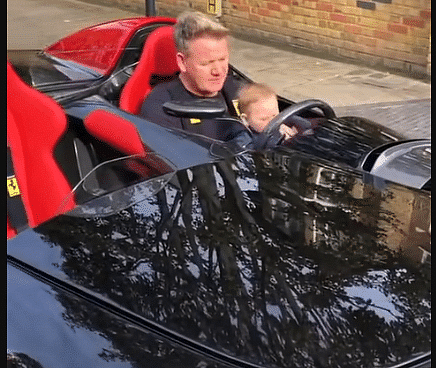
column 396, row 101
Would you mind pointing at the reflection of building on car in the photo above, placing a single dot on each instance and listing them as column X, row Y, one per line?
column 409, row 234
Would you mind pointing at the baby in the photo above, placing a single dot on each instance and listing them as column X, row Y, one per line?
column 258, row 105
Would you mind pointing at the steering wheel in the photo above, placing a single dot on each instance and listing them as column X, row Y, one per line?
column 271, row 130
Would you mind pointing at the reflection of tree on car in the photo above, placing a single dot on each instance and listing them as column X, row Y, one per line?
column 193, row 261
column 388, row 216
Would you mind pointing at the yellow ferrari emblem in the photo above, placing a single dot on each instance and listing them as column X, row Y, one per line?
column 195, row 121
column 12, row 185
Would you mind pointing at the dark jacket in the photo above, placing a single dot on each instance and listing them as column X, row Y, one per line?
column 174, row 90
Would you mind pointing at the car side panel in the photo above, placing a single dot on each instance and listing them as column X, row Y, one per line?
column 48, row 325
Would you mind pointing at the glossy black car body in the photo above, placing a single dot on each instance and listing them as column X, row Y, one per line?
column 295, row 256
column 289, row 264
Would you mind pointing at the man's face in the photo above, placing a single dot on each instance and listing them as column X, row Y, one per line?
column 204, row 68
column 261, row 112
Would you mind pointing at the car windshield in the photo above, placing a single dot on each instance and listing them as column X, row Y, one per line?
column 118, row 184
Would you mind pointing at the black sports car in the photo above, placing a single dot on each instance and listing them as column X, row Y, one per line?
column 134, row 245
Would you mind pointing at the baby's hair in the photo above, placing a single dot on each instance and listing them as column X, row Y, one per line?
column 253, row 93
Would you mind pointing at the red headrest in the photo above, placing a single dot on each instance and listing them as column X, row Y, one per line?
column 35, row 124
column 158, row 58
column 115, row 131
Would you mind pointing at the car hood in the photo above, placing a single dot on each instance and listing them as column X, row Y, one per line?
column 45, row 72
column 265, row 259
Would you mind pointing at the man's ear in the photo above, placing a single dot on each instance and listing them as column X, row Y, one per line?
column 181, row 61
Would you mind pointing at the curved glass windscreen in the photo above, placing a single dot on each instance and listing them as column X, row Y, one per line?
column 118, row 184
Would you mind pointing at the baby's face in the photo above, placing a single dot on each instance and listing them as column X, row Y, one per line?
column 260, row 113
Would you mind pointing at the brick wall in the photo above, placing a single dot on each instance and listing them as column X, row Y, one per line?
column 390, row 33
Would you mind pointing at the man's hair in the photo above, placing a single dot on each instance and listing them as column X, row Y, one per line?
column 191, row 25
column 252, row 93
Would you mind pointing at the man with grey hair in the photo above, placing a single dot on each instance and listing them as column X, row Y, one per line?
column 203, row 53
column 203, row 59
column 190, row 25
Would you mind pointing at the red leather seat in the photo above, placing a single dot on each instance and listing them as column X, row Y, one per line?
column 158, row 59
column 35, row 124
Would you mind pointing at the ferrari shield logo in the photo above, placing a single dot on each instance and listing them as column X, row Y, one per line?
column 12, row 185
